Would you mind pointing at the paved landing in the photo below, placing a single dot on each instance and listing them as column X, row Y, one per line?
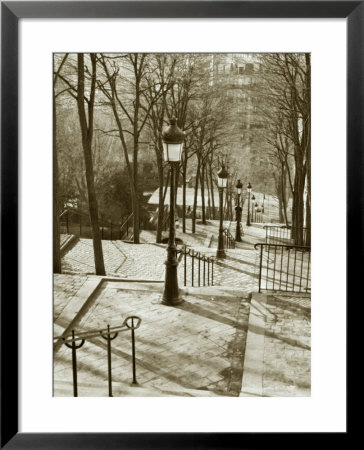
column 278, row 350
column 196, row 348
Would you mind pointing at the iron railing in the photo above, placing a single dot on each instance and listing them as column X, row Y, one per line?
column 229, row 241
column 287, row 235
column 109, row 334
column 284, row 267
column 77, row 222
column 257, row 217
column 124, row 228
column 198, row 269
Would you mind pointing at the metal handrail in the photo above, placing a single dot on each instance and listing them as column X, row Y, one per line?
column 284, row 267
column 205, row 276
column 126, row 225
column 104, row 224
column 286, row 233
column 109, row 334
column 229, row 239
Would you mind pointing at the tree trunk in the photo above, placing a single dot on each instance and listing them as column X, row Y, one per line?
column 203, row 207
column 212, row 193
column 195, row 198
column 208, row 194
column 57, row 267
column 284, row 193
column 308, row 151
column 87, row 131
column 298, row 208
column 160, row 205
column 135, row 193
column 184, row 196
column 307, row 233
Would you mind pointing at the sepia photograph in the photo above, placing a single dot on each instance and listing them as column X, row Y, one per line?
column 181, row 224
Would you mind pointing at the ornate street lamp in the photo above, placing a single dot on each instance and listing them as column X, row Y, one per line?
column 172, row 138
column 253, row 198
column 238, row 211
column 249, row 189
column 222, row 176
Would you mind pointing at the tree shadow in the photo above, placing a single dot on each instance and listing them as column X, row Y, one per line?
column 227, row 266
column 196, row 309
column 292, row 342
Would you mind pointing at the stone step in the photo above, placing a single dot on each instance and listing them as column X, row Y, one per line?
column 158, row 286
column 64, row 388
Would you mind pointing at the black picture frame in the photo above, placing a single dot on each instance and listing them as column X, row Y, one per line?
column 11, row 12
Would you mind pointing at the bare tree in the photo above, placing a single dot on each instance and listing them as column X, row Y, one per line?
column 125, row 84
column 86, row 124
column 288, row 81
column 57, row 267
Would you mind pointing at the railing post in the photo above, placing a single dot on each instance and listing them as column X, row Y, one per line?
column 199, row 268
column 212, row 272
column 74, row 347
column 185, row 265
column 260, row 267
column 133, row 350
column 208, row 273
column 204, row 271
column 109, row 370
column 193, row 267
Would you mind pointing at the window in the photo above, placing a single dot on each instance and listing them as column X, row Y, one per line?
column 249, row 68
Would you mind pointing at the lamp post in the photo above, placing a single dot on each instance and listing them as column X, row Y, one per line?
column 253, row 198
column 249, row 189
column 172, row 138
column 256, row 209
column 238, row 210
column 222, row 176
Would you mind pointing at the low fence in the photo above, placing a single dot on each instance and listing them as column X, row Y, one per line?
column 78, row 223
column 76, row 341
column 287, row 235
column 257, row 217
column 198, row 269
column 229, row 240
column 126, row 229
column 284, row 267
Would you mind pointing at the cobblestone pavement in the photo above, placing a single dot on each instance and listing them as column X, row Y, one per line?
column 197, row 239
column 188, row 350
column 144, row 261
column 64, row 288
column 287, row 347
